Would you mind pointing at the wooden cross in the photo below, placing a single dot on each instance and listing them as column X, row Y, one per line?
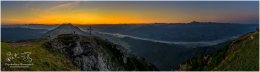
column 90, row 29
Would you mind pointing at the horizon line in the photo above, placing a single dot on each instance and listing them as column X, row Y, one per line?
column 125, row 23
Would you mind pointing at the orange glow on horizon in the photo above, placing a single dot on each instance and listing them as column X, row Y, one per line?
column 88, row 19
column 87, row 12
column 68, row 13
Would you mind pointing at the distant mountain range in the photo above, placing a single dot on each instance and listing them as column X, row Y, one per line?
column 167, row 32
column 17, row 33
column 179, row 32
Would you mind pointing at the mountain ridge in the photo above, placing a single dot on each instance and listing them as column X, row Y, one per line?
column 64, row 29
column 240, row 54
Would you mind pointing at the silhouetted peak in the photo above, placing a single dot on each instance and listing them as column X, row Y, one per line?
column 67, row 28
column 66, row 24
column 194, row 22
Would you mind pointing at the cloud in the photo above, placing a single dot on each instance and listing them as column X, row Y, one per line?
column 65, row 5
column 197, row 43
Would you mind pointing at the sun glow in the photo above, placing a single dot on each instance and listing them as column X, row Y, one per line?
column 79, row 12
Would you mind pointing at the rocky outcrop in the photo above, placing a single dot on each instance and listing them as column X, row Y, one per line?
column 92, row 53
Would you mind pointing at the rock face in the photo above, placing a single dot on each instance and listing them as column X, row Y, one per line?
column 64, row 29
column 92, row 53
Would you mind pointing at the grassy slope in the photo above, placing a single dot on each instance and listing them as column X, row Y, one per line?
column 42, row 58
column 240, row 54
column 243, row 54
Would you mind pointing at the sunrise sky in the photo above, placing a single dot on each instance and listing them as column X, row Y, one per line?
column 89, row 12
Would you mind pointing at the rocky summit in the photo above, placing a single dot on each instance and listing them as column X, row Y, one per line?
column 92, row 53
